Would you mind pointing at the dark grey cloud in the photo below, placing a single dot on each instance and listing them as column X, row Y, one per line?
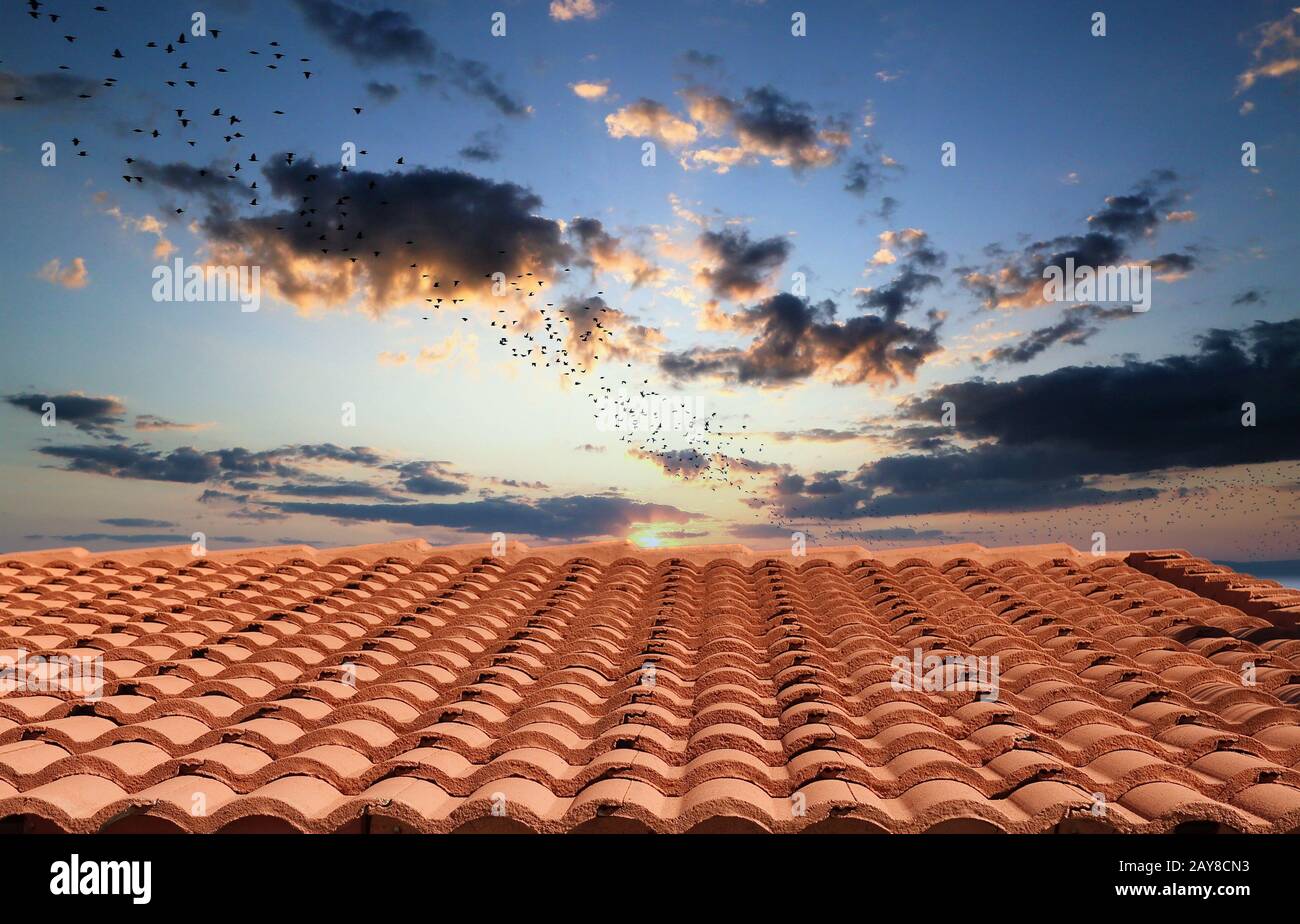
column 1181, row 411
column 1173, row 264
column 382, row 91
column 462, row 226
column 474, row 79
column 482, row 148
column 861, row 176
column 690, row 464
column 144, row 538
column 1250, row 297
column 51, row 88
column 1076, row 327
column 387, row 36
column 92, row 414
column 1076, row 436
column 949, row 481
column 1015, row 279
column 428, row 478
column 574, row 517
column 185, row 465
column 866, row 172
column 740, row 266
column 341, row 488
column 693, row 58
column 768, row 124
column 884, row 534
column 137, row 523
column 376, row 36
column 212, row 182
column 188, row 465
column 795, row 339
column 353, row 455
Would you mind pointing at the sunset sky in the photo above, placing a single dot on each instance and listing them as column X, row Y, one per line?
column 797, row 260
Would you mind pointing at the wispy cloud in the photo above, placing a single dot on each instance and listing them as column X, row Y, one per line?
column 73, row 276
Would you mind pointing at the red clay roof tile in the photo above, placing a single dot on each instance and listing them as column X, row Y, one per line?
column 602, row 688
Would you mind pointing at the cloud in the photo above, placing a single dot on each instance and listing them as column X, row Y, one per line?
column 383, row 92
column 646, row 118
column 589, row 447
column 566, row 10
column 340, row 488
column 96, row 415
column 604, row 253
column 1074, row 328
column 593, row 331
column 482, row 148
column 1075, row 436
column 153, row 422
column 188, row 465
column 74, row 276
column 570, row 518
column 50, row 88
column 145, row 538
column 185, row 465
column 1250, row 297
column 1180, row 411
column 817, row 435
column 1016, row 279
column 866, row 172
column 212, row 182
column 456, row 347
column 862, row 175
column 149, row 224
column 137, row 523
column 428, row 478
column 376, row 36
column 1138, row 417
column 461, row 228
column 735, row 266
column 1276, row 53
column 703, row 59
column 386, row 36
column 590, row 89
column 474, row 79
column 353, row 455
column 795, row 340
column 953, row 481
column 883, row 534
column 691, row 464
column 765, row 125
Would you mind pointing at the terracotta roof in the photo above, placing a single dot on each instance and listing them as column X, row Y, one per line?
column 609, row 688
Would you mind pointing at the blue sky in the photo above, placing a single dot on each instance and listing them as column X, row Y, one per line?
column 1127, row 144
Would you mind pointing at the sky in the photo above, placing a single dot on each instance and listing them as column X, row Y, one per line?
column 682, row 273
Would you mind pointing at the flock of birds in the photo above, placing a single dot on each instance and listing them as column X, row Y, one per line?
column 577, row 338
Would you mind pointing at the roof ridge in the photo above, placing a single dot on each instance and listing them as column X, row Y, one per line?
column 604, row 551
